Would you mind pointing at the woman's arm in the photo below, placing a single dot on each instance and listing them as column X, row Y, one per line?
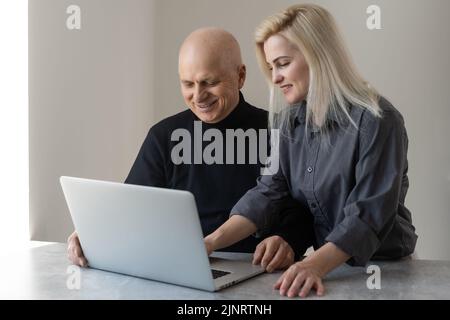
column 233, row 230
column 327, row 258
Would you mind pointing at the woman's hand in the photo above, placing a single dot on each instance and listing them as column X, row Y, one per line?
column 299, row 279
column 209, row 245
column 307, row 274
column 231, row 231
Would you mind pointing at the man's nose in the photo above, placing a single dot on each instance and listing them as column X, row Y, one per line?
column 199, row 94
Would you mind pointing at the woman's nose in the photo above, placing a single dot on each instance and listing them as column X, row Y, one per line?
column 276, row 77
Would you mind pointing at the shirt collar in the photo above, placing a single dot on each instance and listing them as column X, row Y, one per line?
column 299, row 110
column 300, row 116
column 232, row 120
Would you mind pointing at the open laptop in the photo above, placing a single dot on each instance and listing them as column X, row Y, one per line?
column 147, row 232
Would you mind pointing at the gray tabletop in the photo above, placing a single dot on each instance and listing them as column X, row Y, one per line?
column 45, row 273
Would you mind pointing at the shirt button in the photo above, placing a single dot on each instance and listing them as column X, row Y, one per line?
column 309, row 169
column 313, row 205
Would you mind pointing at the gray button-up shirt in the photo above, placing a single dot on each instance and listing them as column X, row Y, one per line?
column 354, row 182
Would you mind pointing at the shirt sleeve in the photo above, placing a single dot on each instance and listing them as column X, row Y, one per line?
column 295, row 226
column 261, row 203
column 148, row 168
column 371, row 207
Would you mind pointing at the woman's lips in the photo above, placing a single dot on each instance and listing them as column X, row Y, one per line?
column 286, row 88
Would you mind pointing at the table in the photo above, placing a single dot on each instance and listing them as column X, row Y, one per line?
column 45, row 273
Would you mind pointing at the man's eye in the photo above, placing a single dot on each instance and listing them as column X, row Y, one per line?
column 282, row 65
column 187, row 84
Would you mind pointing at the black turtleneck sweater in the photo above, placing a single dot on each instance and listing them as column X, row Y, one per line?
column 216, row 187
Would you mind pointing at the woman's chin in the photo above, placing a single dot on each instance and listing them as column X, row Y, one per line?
column 290, row 100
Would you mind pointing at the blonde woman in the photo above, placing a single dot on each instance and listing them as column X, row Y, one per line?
column 342, row 154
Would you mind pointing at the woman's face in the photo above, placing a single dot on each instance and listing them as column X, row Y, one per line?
column 288, row 66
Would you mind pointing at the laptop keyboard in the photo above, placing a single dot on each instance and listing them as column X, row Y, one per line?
column 219, row 273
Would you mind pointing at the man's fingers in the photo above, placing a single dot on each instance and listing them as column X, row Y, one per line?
column 284, row 258
column 73, row 257
column 74, row 251
column 71, row 253
column 76, row 240
column 72, row 237
column 78, row 252
column 83, row 262
column 259, row 251
column 277, row 260
column 278, row 283
column 270, row 251
column 288, row 260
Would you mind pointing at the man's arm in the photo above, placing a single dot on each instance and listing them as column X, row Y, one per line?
column 291, row 235
column 295, row 226
column 149, row 167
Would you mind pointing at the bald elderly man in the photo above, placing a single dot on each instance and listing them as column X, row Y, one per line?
column 211, row 75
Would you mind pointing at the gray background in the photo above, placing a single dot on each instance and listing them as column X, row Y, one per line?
column 95, row 92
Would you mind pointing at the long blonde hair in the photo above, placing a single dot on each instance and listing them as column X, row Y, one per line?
column 334, row 82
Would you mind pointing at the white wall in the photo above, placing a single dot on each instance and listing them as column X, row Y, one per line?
column 13, row 126
column 91, row 97
column 407, row 61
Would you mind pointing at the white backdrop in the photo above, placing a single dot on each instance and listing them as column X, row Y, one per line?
column 13, row 125
column 94, row 92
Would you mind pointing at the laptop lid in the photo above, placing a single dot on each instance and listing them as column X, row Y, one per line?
column 146, row 232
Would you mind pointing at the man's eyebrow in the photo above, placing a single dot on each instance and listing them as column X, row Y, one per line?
column 205, row 79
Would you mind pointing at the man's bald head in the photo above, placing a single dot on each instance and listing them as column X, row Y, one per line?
column 213, row 44
column 211, row 73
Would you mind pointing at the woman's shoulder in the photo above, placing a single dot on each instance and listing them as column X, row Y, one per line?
column 389, row 122
column 388, row 115
column 388, row 108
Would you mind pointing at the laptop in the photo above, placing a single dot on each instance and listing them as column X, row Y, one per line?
column 147, row 232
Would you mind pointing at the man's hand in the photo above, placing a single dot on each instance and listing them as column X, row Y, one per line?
column 74, row 251
column 273, row 253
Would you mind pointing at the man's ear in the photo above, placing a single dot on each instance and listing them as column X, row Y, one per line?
column 242, row 73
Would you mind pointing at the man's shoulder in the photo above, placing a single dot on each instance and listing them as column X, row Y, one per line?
column 256, row 110
column 256, row 114
column 180, row 120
